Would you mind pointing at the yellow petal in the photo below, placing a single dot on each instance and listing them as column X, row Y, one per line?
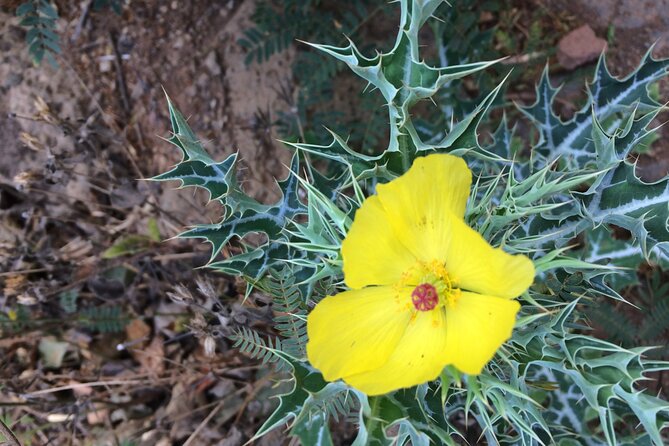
column 418, row 358
column 417, row 203
column 477, row 266
column 356, row 330
column 372, row 253
column 434, row 181
column 476, row 327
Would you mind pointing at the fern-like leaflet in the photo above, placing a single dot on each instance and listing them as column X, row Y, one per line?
column 642, row 324
column 290, row 312
column 103, row 319
column 39, row 17
column 68, row 301
column 268, row 351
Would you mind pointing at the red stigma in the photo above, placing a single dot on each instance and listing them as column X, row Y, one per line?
column 425, row 297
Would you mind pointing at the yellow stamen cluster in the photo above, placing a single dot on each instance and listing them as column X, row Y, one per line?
column 433, row 273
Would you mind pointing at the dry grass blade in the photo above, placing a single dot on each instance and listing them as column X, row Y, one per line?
column 202, row 425
column 9, row 435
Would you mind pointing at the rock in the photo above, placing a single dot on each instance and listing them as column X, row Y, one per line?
column 232, row 438
column 105, row 65
column 52, row 352
column 212, row 64
column 98, row 415
column 579, row 46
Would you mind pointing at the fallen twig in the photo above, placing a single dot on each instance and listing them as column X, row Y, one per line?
column 120, row 77
column 82, row 21
column 202, row 425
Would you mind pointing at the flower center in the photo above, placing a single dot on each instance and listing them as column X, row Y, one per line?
column 433, row 286
column 425, row 297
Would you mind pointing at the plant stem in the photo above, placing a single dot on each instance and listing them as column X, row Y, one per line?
column 375, row 406
column 404, row 152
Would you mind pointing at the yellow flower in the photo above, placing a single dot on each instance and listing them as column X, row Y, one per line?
column 426, row 290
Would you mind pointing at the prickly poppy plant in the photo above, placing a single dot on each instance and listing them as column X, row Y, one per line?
column 426, row 290
column 435, row 288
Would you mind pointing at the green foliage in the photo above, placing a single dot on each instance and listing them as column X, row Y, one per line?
column 593, row 378
column 645, row 324
column 279, row 23
column 243, row 214
column 290, row 311
column 134, row 243
column 39, row 17
column 308, row 405
column 554, row 382
column 459, row 38
column 114, row 5
column 16, row 321
column 68, row 301
column 601, row 137
column 103, row 319
column 250, row 342
column 290, row 316
column 282, row 24
column 127, row 245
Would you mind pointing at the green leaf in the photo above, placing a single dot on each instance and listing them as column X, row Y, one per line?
column 68, row 300
column 25, row 8
column 217, row 179
column 103, row 319
column 313, row 430
column 39, row 17
column 47, row 10
column 127, row 245
column 553, row 381
column 404, row 79
column 244, row 215
column 570, row 141
column 304, row 381
column 153, row 230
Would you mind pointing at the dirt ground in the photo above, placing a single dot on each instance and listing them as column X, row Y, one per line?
column 635, row 25
column 75, row 144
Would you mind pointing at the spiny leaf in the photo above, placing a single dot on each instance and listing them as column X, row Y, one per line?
column 303, row 381
column 244, row 215
column 571, row 141
column 617, row 197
